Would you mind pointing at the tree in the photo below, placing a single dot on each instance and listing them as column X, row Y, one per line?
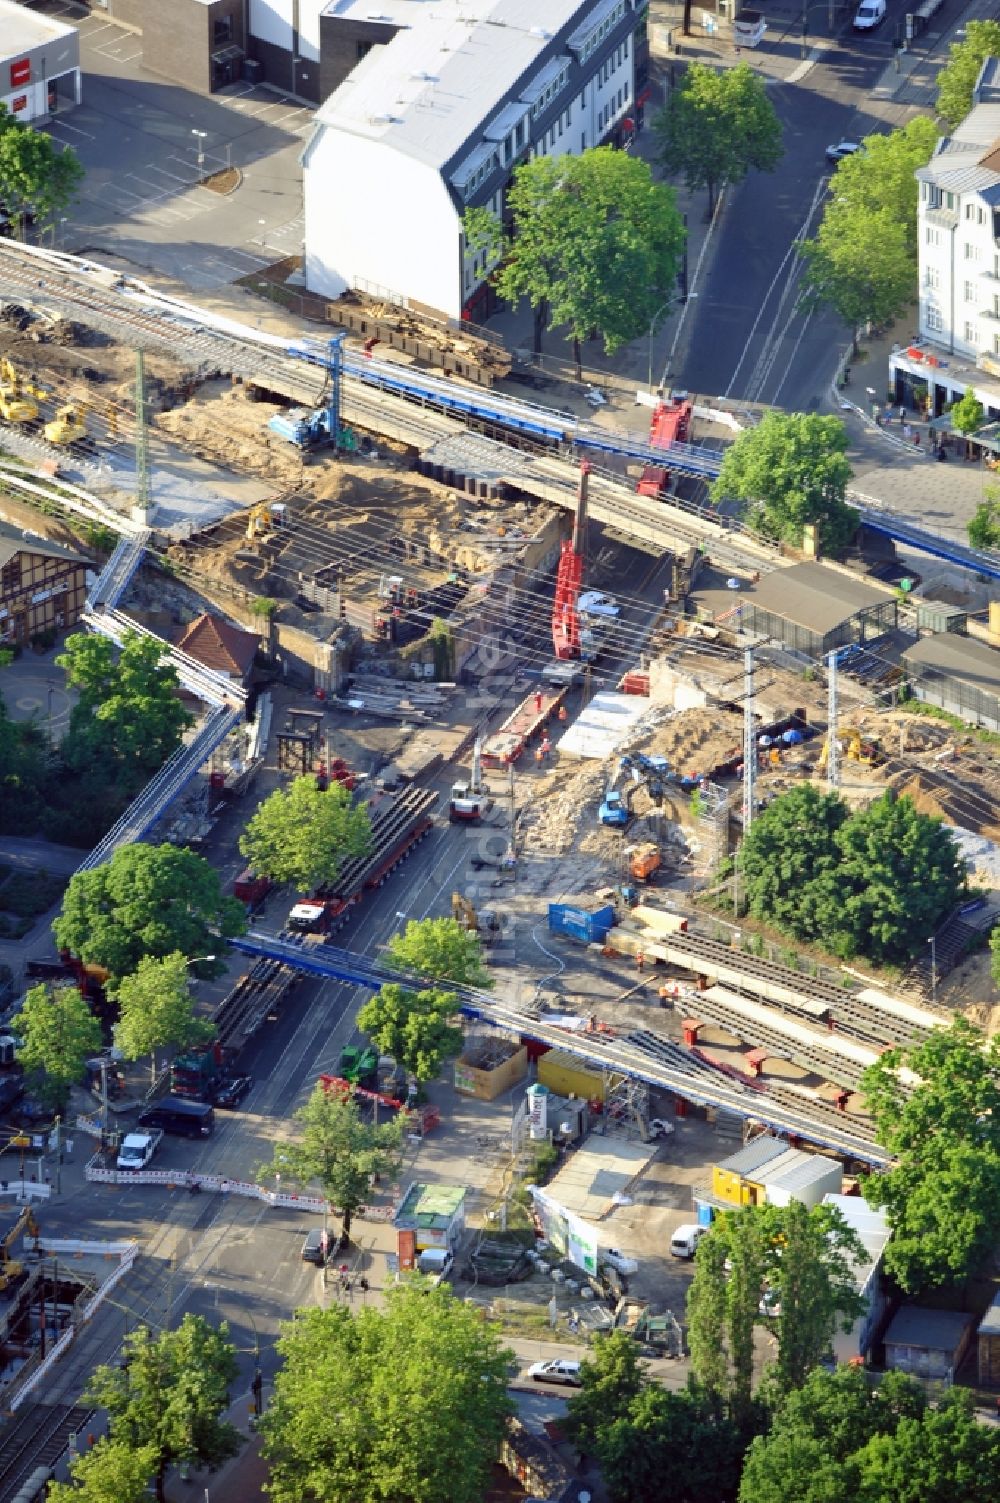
column 147, row 901
column 717, row 124
column 901, row 873
column 58, row 1035
column 789, row 858
column 793, row 469
column 611, row 1377
column 408, row 1402
column 984, row 528
column 943, row 1455
column 808, row 1456
column 156, row 1009
column 597, row 245
column 815, row 1283
column 440, row 949
column 967, row 414
column 127, row 713
column 416, row 1028
column 882, row 176
column 671, row 1448
column 304, row 835
column 957, row 78
column 338, row 1151
column 860, row 265
column 34, row 176
column 942, row 1195
column 707, row 1304
column 111, row 1473
column 169, row 1395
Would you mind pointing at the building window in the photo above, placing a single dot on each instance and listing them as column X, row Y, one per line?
column 971, row 251
column 980, row 216
column 949, row 200
column 996, row 344
column 10, row 576
column 970, row 211
column 971, row 335
column 932, row 236
column 934, row 320
column 932, row 277
column 222, row 31
column 968, row 289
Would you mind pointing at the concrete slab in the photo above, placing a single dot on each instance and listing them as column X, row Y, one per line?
column 601, row 1168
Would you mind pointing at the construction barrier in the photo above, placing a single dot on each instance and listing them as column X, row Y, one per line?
column 284, row 1199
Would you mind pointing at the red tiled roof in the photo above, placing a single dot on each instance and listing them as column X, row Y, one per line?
column 218, row 645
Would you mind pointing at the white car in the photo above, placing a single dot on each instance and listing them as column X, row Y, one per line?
column 556, row 1371
column 841, row 149
column 870, row 13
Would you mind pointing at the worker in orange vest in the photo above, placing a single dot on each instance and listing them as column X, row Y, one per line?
column 563, row 714
column 538, row 700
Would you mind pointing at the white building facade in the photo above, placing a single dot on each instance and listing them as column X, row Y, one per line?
column 959, row 263
column 39, row 64
column 434, row 121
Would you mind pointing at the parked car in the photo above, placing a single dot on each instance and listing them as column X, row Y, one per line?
column 869, row 14
column 233, row 1091
column 556, row 1371
column 841, row 149
column 684, row 1242
column 314, row 1248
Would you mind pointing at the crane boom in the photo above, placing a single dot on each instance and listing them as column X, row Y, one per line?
column 565, row 617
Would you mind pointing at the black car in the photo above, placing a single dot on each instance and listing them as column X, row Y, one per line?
column 231, row 1094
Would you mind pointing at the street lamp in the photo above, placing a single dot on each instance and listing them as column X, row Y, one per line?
column 652, row 325
column 201, row 134
column 933, row 944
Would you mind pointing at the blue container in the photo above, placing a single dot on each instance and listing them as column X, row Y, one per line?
column 577, row 923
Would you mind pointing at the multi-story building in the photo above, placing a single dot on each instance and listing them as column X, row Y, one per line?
column 39, row 64
column 959, row 262
column 439, row 107
column 42, row 586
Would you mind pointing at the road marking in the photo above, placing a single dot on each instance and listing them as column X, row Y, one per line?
column 65, row 125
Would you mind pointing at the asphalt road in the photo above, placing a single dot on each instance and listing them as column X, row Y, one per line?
column 750, row 339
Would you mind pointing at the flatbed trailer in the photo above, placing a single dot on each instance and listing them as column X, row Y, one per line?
column 531, row 716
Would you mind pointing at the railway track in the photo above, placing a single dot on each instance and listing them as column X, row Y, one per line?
column 37, row 1437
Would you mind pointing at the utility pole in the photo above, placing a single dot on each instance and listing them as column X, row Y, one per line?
column 141, row 435
column 832, row 713
column 749, row 743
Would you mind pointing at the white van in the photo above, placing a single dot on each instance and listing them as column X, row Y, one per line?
column 684, row 1242
column 436, row 1262
column 870, row 13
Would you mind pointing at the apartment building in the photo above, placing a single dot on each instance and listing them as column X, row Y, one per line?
column 433, row 117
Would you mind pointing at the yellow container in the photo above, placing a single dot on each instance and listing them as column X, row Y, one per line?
column 566, row 1076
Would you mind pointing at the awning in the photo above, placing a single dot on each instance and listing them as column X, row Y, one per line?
column 228, row 55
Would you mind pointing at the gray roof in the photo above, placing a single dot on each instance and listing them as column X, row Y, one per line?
column 753, row 1156
column 14, row 540
column 934, row 1330
column 957, row 164
column 990, row 1323
column 870, row 1227
column 796, row 1170
column 959, row 657
column 432, row 87
column 816, row 597
column 22, row 29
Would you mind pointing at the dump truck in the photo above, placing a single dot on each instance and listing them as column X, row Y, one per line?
column 398, row 822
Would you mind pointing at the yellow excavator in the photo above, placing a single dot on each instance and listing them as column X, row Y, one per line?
column 10, row 1268
column 18, row 397
column 463, row 912
column 260, row 520
column 68, row 426
column 855, row 746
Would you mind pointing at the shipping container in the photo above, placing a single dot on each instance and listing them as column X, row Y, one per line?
column 564, row 1075
column 577, row 923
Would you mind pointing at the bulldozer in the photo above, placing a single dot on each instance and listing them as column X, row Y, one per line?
column 68, row 426
column 857, row 749
column 18, row 398
column 10, row 1268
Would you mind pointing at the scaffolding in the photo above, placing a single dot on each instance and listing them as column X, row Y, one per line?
column 626, row 1105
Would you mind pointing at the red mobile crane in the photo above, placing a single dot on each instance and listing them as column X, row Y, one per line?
column 565, row 618
column 670, row 424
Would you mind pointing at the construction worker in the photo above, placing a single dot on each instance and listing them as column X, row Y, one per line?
column 538, row 701
column 640, row 961
column 539, row 756
column 563, row 714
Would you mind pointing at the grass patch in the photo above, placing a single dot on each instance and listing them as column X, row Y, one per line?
column 918, row 707
column 30, row 894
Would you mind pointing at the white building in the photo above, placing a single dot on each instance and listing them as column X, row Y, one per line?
column 39, row 64
column 434, row 121
column 959, row 261
column 872, row 1230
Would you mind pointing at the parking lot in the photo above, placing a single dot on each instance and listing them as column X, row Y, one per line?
column 147, row 143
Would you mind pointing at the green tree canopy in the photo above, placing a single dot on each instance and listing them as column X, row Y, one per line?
column 416, row 1027
column 815, row 1281
column 671, row 1447
column 877, row 882
column 35, row 177
column 808, row 1455
column 156, row 1009
column 303, row 836
column 882, row 176
column 113, row 1472
column 944, row 1455
column 58, row 1035
column 170, row 1395
column 793, row 471
column 957, row 78
column 717, row 124
column 439, row 949
column 611, row 1376
column 597, row 244
column 968, row 413
column 127, row 714
column 406, row 1403
column 860, row 265
column 148, row 900
column 338, row 1151
column 942, row 1196
column 984, row 528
